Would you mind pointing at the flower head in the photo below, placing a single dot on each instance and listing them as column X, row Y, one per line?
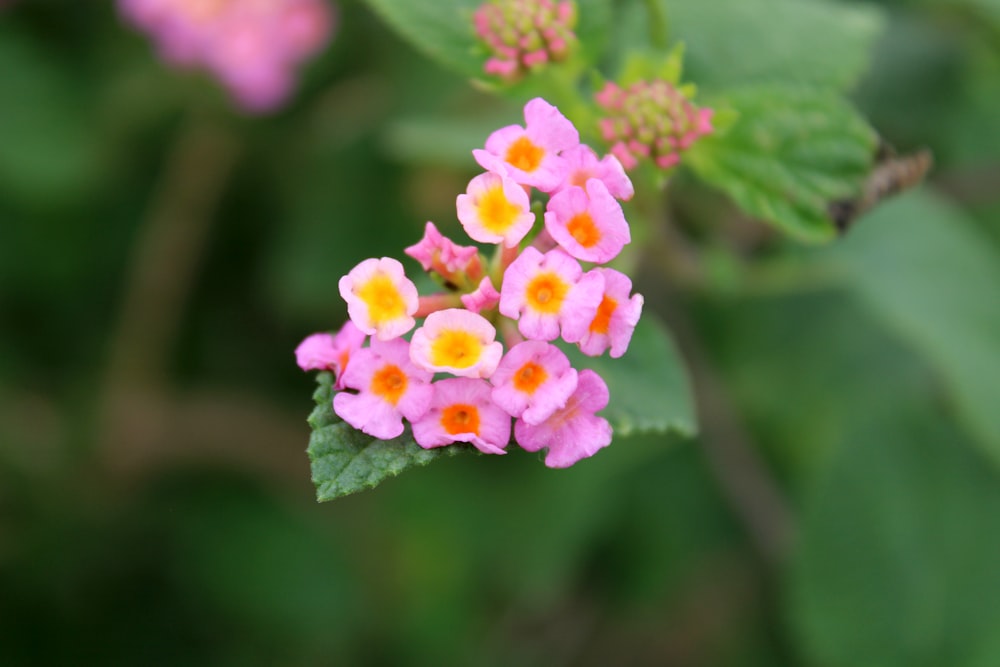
column 381, row 300
column 573, row 432
column 651, row 119
column 321, row 351
column 530, row 155
column 462, row 411
column 615, row 320
column 443, row 256
column 546, row 292
column 495, row 209
column 524, row 34
column 588, row 224
column 389, row 388
column 458, row 342
column 534, row 380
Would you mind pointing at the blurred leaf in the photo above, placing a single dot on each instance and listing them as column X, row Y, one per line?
column 649, row 387
column 792, row 151
column 897, row 560
column 735, row 42
column 927, row 271
column 345, row 460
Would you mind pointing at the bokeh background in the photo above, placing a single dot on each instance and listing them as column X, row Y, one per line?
column 161, row 255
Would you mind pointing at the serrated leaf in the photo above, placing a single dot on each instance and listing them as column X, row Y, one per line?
column 443, row 30
column 897, row 559
column 735, row 42
column 933, row 278
column 792, row 151
column 345, row 460
column 650, row 392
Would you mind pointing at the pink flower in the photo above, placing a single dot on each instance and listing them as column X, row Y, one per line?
column 589, row 225
column 530, row 155
column 389, row 388
column 321, row 351
column 546, row 292
column 483, row 298
column 582, row 165
column 440, row 254
column 462, row 411
column 458, row 342
column 616, row 318
column 533, row 380
column 573, row 432
column 381, row 300
column 495, row 209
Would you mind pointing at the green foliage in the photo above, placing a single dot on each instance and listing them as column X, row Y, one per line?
column 792, row 152
column 926, row 271
column 345, row 460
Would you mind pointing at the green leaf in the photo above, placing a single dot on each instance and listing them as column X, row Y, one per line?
column 896, row 565
column 734, row 42
column 792, row 151
column 650, row 392
column 929, row 273
column 345, row 460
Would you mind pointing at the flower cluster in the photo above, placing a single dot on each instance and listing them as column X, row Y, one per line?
column 453, row 380
column 524, row 34
column 252, row 46
column 650, row 119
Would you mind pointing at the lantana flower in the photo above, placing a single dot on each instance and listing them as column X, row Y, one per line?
column 588, row 224
column 616, row 318
column 534, row 380
column 530, row 154
column 381, row 300
column 547, row 292
column 439, row 254
column 484, row 297
column 456, row 341
column 463, row 411
column 524, row 34
column 390, row 387
column 326, row 352
column 582, row 164
column 495, row 209
column 574, row 431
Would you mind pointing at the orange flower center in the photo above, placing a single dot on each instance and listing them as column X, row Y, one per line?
column 529, row 377
column 460, row 418
column 495, row 212
column 583, row 229
column 389, row 382
column 546, row 293
column 603, row 318
column 525, row 154
column 454, row 348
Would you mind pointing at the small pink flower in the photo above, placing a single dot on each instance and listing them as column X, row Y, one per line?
column 321, row 351
column 616, row 318
column 462, row 411
column 589, row 225
column 530, row 155
column 483, row 298
column 573, row 432
column 440, row 254
column 458, row 342
column 389, row 388
column 495, row 209
column 381, row 300
column 582, row 164
column 546, row 292
column 533, row 380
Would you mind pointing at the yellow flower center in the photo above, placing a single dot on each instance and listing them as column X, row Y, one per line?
column 460, row 418
column 496, row 212
column 546, row 293
column 582, row 228
column 525, row 154
column 604, row 312
column 383, row 299
column 529, row 377
column 456, row 349
column 389, row 382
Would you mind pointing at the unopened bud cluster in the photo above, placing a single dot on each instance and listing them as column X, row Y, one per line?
column 483, row 355
column 651, row 120
column 525, row 34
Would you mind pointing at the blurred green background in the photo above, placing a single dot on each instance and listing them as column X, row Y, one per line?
column 161, row 256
